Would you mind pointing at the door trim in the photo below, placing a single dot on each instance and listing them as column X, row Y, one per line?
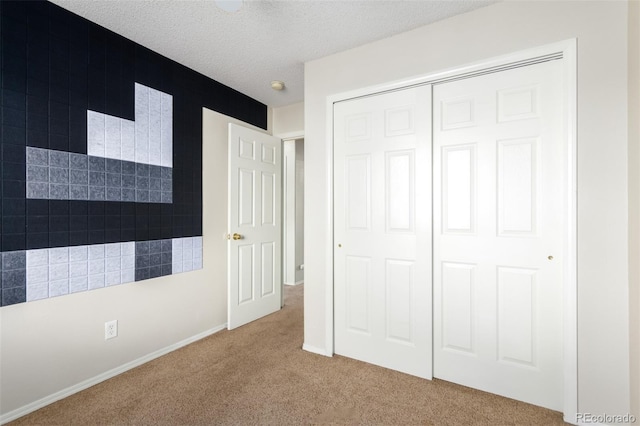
column 567, row 50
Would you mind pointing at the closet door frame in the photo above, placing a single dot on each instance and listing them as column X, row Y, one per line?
column 566, row 51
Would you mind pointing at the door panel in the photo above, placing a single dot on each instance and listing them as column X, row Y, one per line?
column 254, row 287
column 498, row 208
column 382, row 217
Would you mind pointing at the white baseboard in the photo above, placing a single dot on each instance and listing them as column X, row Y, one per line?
column 313, row 349
column 296, row 283
column 31, row 407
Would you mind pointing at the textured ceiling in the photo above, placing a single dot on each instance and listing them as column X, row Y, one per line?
column 266, row 40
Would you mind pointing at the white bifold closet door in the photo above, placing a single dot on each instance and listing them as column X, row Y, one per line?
column 499, row 227
column 382, row 223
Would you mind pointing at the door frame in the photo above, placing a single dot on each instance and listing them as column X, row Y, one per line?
column 565, row 50
column 284, row 137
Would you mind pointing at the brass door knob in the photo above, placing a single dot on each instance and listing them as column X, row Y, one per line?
column 237, row 236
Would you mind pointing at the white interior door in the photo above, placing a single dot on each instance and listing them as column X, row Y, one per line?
column 499, row 161
column 382, row 230
column 255, row 174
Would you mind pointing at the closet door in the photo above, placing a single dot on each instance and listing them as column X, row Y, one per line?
column 499, row 162
column 382, row 223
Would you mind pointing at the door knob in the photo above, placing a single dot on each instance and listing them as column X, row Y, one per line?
column 237, row 236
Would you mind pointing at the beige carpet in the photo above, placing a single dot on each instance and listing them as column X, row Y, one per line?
column 258, row 374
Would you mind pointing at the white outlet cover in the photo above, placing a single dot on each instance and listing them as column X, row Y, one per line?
column 110, row 329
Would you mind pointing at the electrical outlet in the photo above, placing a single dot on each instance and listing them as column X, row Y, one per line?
column 110, row 329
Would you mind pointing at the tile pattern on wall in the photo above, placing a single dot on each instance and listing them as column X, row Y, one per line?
column 13, row 277
column 56, row 66
column 44, row 273
column 187, row 254
column 65, row 80
column 153, row 259
column 146, row 140
column 58, row 175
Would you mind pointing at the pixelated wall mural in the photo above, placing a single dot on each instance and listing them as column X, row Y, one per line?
column 101, row 156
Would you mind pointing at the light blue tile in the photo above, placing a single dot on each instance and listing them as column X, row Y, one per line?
column 37, row 173
column 128, row 195
column 167, row 173
column 78, row 192
column 58, row 175
column 78, row 269
column 128, row 248
column 167, row 185
column 155, row 196
column 58, row 288
column 97, row 164
column 78, row 161
column 14, row 260
column 38, row 291
column 97, row 193
column 113, row 194
column 112, row 264
column 127, row 276
column 78, row 284
column 128, row 181
column 167, row 197
column 96, row 281
column 78, row 253
column 187, row 265
column 142, row 183
column 37, row 274
column 165, row 258
column 37, row 156
column 58, row 272
column 58, row 191
column 38, row 190
column 97, row 178
column 155, row 171
column 142, row 196
column 128, row 168
column 128, row 262
column 14, row 278
column 114, row 180
column 142, row 170
column 58, row 255
column 59, row 159
column 114, row 166
column 155, row 246
column 196, row 242
column 197, row 263
column 155, row 184
column 96, row 266
column 142, row 247
column 112, row 278
column 166, row 246
column 96, row 251
column 78, row 177
column 112, row 250
column 37, row 257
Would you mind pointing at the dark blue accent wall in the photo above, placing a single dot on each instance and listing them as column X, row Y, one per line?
column 56, row 66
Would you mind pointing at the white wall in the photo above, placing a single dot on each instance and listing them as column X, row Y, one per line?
column 634, row 201
column 299, row 176
column 601, row 30
column 289, row 212
column 293, row 196
column 288, row 120
column 52, row 345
